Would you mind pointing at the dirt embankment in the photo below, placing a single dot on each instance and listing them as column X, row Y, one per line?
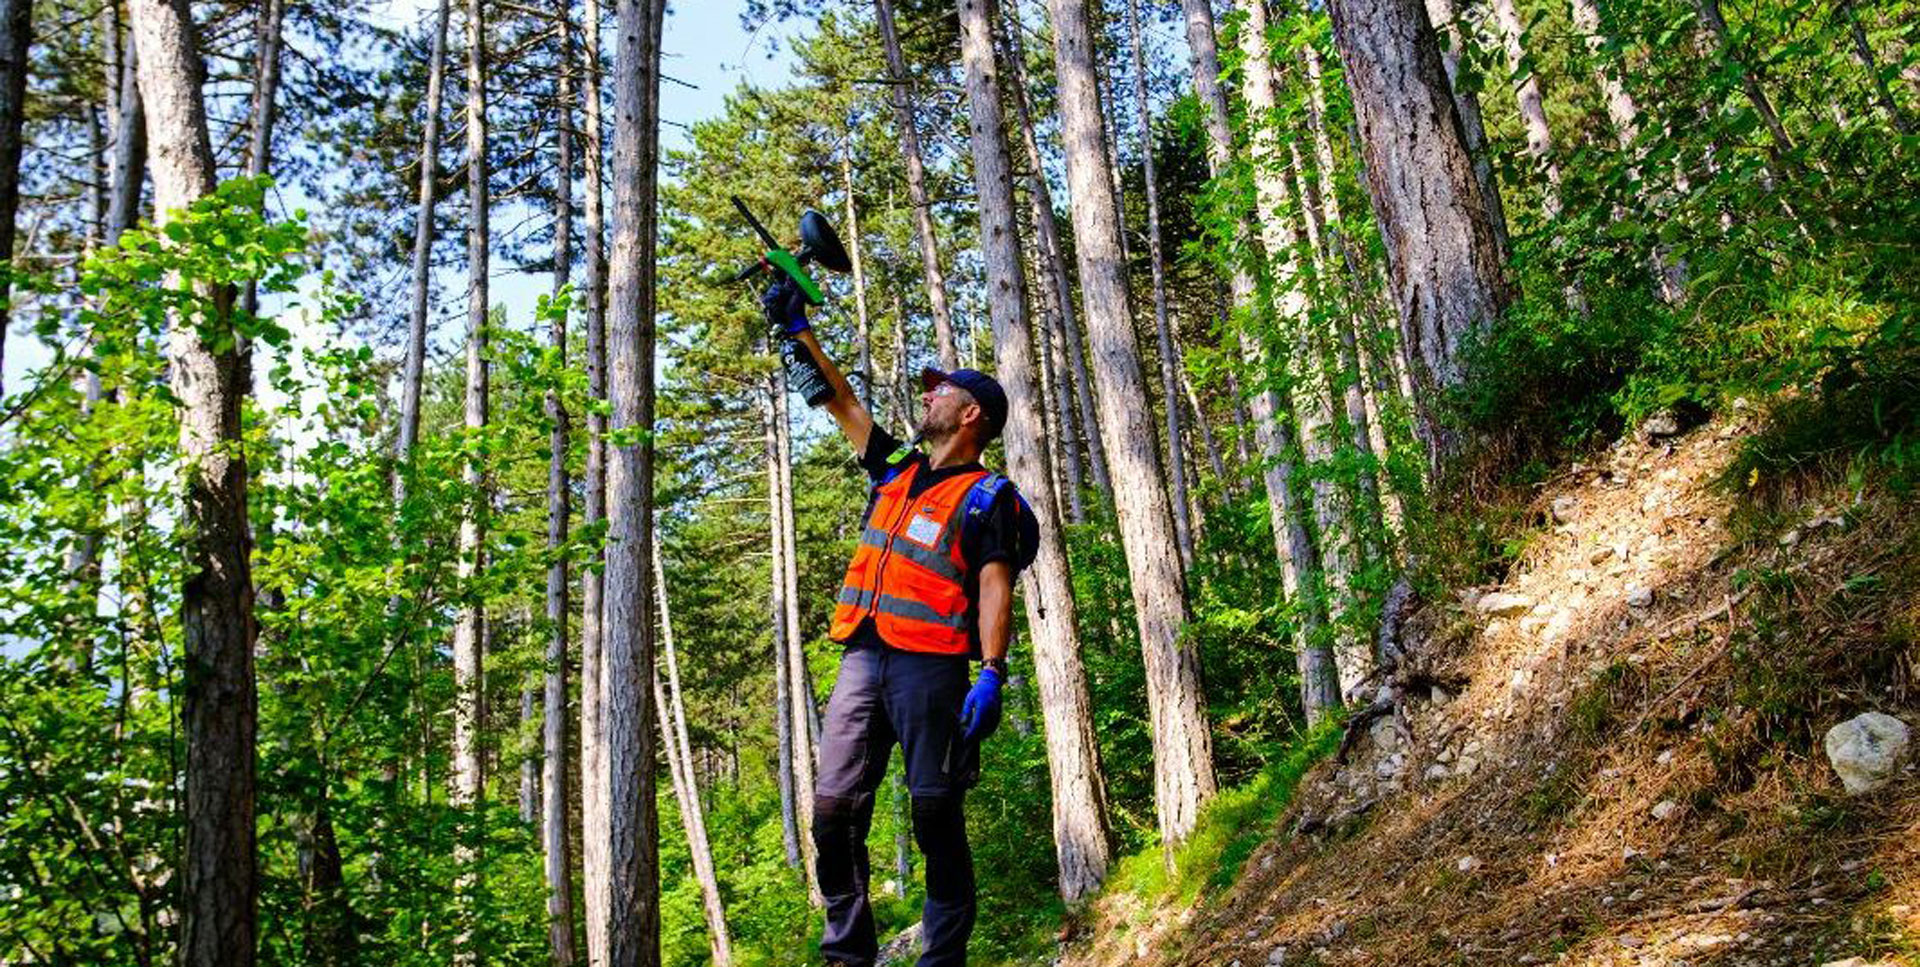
column 1628, row 769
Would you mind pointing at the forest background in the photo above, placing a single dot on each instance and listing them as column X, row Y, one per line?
column 1285, row 298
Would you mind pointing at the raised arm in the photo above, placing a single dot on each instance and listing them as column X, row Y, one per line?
column 855, row 422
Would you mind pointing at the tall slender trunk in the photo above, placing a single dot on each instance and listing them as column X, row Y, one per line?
column 1162, row 328
column 1299, row 559
column 16, row 40
column 593, row 789
column 1052, row 424
column 900, row 93
column 217, row 900
column 1443, row 253
column 469, row 715
column 1716, row 25
column 1670, row 276
column 1531, row 98
column 1473, row 130
column 777, row 619
column 633, row 868
column 864, row 351
column 409, row 430
column 673, row 730
column 262, row 112
column 803, row 726
column 557, row 866
column 1081, row 844
column 1863, row 52
column 1183, row 746
column 528, row 798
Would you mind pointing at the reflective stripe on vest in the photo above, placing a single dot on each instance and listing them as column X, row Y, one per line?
column 907, row 572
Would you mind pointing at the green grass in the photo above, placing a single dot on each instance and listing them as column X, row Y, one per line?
column 1230, row 828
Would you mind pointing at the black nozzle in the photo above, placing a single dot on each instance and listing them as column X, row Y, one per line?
column 819, row 243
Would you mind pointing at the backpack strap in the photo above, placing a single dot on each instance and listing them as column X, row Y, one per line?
column 979, row 502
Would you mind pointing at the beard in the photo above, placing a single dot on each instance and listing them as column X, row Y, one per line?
column 936, row 427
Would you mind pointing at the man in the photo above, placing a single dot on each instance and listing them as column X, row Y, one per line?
column 930, row 586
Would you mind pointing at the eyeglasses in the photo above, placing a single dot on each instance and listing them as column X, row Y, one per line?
column 944, row 389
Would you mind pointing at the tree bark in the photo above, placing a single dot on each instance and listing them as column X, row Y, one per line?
column 633, row 910
column 777, row 619
column 557, row 865
column 16, row 40
column 1085, row 419
column 409, row 430
column 1532, row 100
column 263, row 110
column 217, row 900
column 802, row 714
column 900, row 94
column 1299, row 559
column 1162, row 328
column 1183, row 746
column 673, row 731
column 864, row 350
column 593, row 798
column 1473, row 130
column 469, row 713
column 1081, row 843
column 1443, row 253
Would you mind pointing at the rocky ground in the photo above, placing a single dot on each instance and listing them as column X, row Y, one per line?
column 1613, row 757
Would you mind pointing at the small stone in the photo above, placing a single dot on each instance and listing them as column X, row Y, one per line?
column 1664, row 758
column 1663, row 423
column 1435, row 772
column 1664, row 809
column 1504, row 604
column 1466, row 766
column 1600, row 555
column 1790, row 538
column 1467, row 864
column 1867, row 751
column 1632, row 942
column 1563, row 508
column 1446, row 754
column 1277, row 957
column 1639, row 596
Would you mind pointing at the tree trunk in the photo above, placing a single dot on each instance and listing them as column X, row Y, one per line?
column 673, row 730
column 16, row 40
column 529, row 793
column 1085, row 419
column 802, row 724
column 1473, row 130
column 900, row 93
column 865, row 349
column 409, row 430
column 469, row 713
column 1532, row 101
column 593, row 789
column 777, row 619
column 1299, row 560
column 557, row 857
column 633, row 910
column 1863, row 52
column 1443, row 253
column 1756, row 95
column 1162, row 328
column 1183, row 746
column 263, row 109
column 1079, row 809
column 217, row 900
column 1670, row 277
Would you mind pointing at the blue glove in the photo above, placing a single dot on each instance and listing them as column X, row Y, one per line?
column 980, row 715
column 786, row 306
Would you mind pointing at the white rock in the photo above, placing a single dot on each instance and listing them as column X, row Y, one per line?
column 1504, row 604
column 1665, row 756
column 1867, row 750
column 1600, row 555
column 1467, row 864
column 1563, row 508
column 1639, row 596
column 1436, row 772
column 1277, row 957
column 1664, row 809
column 1466, row 765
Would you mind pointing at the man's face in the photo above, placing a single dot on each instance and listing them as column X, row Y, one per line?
column 948, row 407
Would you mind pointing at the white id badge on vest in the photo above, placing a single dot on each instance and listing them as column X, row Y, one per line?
column 924, row 530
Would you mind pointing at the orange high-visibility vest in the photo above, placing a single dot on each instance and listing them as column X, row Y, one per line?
column 908, row 572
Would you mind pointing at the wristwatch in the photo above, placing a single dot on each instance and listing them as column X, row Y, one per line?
column 997, row 664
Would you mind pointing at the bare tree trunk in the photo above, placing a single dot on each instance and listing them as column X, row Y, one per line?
column 1162, row 328
column 1443, row 253
column 673, row 730
column 802, row 724
column 900, row 93
column 16, row 40
column 528, row 798
column 469, row 715
column 409, row 430
column 1756, row 95
column 1670, row 277
column 1052, row 423
column 217, row 900
column 1183, row 745
column 1473, row 130
column 777, row 619
column 865, row 348
column 1085, row 419
column 1080, row 836
column 1533, row 107
column 1299, row 559
column 1863, row 52
column 1207, row 442
column 556, row 854
column 593, row 735
column 633, row 869
column 263, row 110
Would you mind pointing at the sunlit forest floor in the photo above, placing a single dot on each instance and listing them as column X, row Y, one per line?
column 1614, row 755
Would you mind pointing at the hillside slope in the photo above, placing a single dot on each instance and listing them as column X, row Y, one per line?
column 1611, row 758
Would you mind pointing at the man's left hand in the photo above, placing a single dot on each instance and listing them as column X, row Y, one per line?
column 980, row 715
